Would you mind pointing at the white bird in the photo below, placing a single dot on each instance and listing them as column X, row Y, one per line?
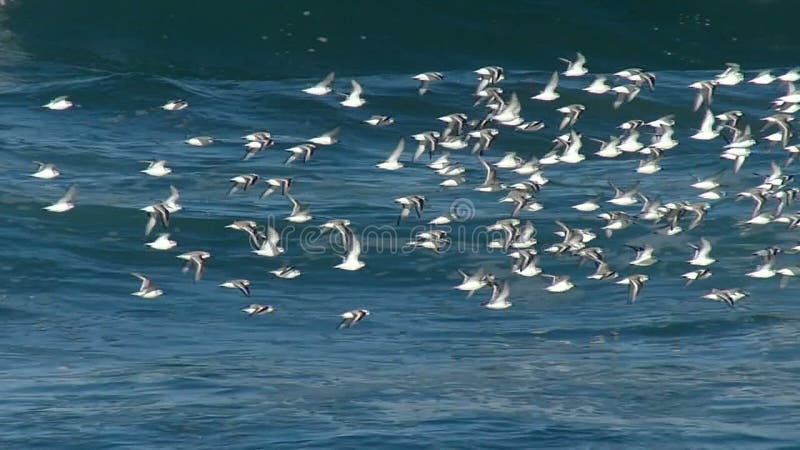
column 270, row 246
column 59, row 103
column 162, row 242
column 241, row 284
column 635, row 284
column 156, row 168
column 644, row 256
column 65, row 203
column 350, row 261
column 392, row 163
column 175, row 105
column 351, row 318
column 472, row 282
column 763, row 77
column 425, row 79
column 45, row 171
column 197, row 259
column 286, row 272
column 327, row 138
column 323, row 87
column 559, row 283
column 575, row 68
column 500, row 294
column 147, row 289
column 300, row 213
column 598, row 86
column 257, row 310
column 731, row 76
column 707, row 130
column 548, row 94
column 765, row 270
column 354, row 99
column 200, row 141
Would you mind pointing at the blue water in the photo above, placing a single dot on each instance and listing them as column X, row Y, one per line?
column 84, row 365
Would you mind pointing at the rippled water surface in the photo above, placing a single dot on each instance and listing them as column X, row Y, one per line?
column 85, row 365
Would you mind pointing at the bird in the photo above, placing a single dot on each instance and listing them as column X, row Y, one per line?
column 59, row 104
column 500, row 294
column 598, row 86
column 327, row 138
column 243, row 182
column 200, row 141
column 560, row 283
column 323, row 87
column 548, row 94
column 46, row 171
column 147, row 289
column 425, row 79
column 157, row 168
column 241, row 284
column 707, row 130
column 269, row 246
column 156, row 213
column 575, row 68
column 571, row 114
column 701, row 254
column 635, row 283
column 303, row 151
column 256, row 309
column 731, row 76
column 644, row 256
column 175, row 105
column 393, row 162
column 162, row 242
column 354, row 99
column 705, row 92
column 275, row 184
column 300, row 213
column 351, row 261
column 727, row 296
column 286, row 272
column 379, row 121
column 471, row 283
column 694, row 275
column 763, row 77
column 197, row 259
column 65, row 203
column 408, row 203
column 352, row 318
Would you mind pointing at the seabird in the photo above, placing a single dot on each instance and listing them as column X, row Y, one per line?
column 157, row 168
column 175, row 105
column 727, row 296
column 197, row 259
column 156, row 213
column 694, row 275
column 731, row 76
column 59, row 104
column 560, row 283
column 270, row 245
column 45, row 171
column 707, row 130
column 147, row 289
column 625, row 94
column 644, row 255
column 323, row 87
column 300, row 213
column 351, row 318
column 415, row 202
column 548, row 94
column 635, row 284
column 571, row 114
column 473, row 282
column 241, row 284
column 253, row 147
column 575, row 68
column 354, row 99
column 65, row 203
column 701, row 254
column 598, row 86
column 393, row 162
column 705, row 92
column 200, row 141
column 350, row 261
column 425, row 79
column 525, row 263
column 379, row 121
column 327, row 138
column 500, row 294
column 243, row 182
column 257, row 310
column 763, row 77
column 286, row 272
column 162, row 242
column 303, row 151
column 276, row 183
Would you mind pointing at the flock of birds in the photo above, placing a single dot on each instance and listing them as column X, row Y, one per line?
column 519, row 240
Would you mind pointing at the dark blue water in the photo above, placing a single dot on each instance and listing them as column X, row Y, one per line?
column 84, row 365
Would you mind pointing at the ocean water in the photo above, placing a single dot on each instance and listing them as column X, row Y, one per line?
column 85, row 365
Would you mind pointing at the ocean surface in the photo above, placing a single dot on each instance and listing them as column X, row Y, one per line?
column 85, row 365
